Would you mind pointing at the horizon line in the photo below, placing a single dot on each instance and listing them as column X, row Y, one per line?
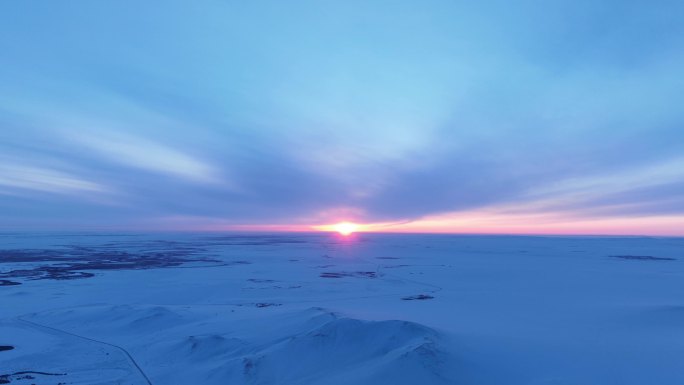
column 104, row 231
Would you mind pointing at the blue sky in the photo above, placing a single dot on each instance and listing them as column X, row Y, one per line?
column 122, row 114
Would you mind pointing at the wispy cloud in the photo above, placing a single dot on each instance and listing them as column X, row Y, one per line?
column 20, row 177
column 140, row 153
column 629, row 190
column 664, row 172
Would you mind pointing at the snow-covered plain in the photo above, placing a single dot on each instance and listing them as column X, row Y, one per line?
column 325, row 309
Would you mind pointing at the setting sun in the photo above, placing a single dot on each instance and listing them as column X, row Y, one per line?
column 346, row 228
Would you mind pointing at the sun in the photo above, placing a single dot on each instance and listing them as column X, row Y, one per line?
column 346, row 228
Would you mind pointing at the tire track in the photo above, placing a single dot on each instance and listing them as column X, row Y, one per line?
column 60, row 331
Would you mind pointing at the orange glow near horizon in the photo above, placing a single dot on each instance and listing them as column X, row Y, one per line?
column 346, row 228
column 500, row 221
column 343, row 228
column 492, row 222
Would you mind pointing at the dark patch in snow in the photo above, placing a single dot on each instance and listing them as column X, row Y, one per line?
column 643, row 257
column 343, row 274
column 266, row 304
column 74, row 262
column 248, row 366
column 253, row 240
column 4, row 348
column 257, row 280
column 417, row 297
column 239, row 263
column 25, row 375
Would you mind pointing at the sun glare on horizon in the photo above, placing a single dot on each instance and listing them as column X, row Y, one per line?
column 346, row 228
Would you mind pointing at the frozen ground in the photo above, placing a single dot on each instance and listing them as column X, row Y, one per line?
column 321, row 309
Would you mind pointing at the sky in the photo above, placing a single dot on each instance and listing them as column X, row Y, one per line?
column 433, row 116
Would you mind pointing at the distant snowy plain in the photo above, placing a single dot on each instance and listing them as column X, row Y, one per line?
column 324, row 309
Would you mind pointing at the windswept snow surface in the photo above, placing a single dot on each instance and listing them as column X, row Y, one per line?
column 323, row 309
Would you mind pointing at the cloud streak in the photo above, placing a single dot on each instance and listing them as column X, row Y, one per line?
column 147, row 155
column 20, row 177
